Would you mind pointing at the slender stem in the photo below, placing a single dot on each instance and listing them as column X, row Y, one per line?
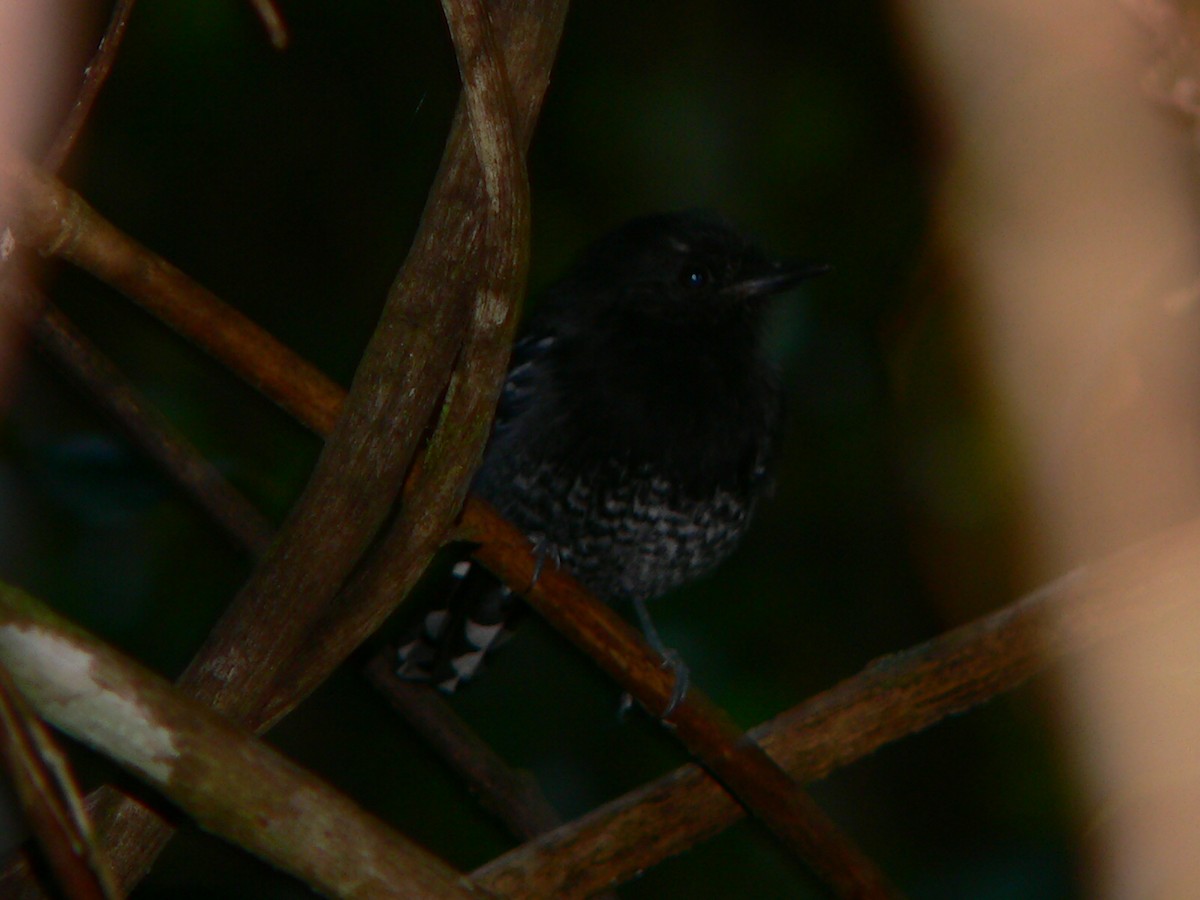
column 94, row 77
column 272, row 20
column 84, row 363
column 510, row 795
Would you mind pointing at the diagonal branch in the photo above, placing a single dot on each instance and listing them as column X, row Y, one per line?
column 49, row 217
column 91, row 370
column 739, row 763
column 893, row 697
column 95, row 74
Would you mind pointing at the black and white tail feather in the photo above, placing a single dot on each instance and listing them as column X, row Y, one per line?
column 448, row 646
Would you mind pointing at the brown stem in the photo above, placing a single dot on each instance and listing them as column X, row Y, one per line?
column 510, row 795
column 48, row 216
column 85, row 364
column 94, row 77
column 494, row 278
column 272, row 21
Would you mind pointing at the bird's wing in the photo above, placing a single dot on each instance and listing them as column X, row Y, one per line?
column 526, row 370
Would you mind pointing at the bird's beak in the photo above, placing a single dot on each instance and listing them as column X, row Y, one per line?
column 780, row 277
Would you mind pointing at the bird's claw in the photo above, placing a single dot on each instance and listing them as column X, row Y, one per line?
column 673, row 662
column 543, row 550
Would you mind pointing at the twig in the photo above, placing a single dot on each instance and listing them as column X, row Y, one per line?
column 85, row 364
column 228, row 782
column 531, row 32
column 510, row 795
column 50, row 800
column 94, row 77
column 56, row 221
column 272, row 20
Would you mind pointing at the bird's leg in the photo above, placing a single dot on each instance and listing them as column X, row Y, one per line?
column 670, row 658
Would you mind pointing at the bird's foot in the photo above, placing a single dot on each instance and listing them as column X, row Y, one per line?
column 672, row 661
column 683, row 678
column 543, row 550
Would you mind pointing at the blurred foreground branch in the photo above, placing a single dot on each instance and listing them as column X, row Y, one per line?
column 230, row 783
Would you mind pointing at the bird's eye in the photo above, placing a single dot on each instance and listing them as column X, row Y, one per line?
column 694, row 277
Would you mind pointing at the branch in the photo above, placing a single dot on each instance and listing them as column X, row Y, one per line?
column 272, row 21
column 893, row 697
column 737, row 762
column 230, row 783
column 94, row 76
column 46, row 215
column 90, row 369
column 50, row 801
column 511, row 796
column 495, row 277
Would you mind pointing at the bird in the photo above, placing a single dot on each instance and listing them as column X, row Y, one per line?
column 635, row 432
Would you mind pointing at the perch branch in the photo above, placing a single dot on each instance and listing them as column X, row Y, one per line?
column 893, row 697
column 739, row 763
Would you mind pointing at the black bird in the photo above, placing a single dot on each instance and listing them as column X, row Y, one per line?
column 636, row 429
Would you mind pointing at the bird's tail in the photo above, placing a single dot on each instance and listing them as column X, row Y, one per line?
column 449, row 644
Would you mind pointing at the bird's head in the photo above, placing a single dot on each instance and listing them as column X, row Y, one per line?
column 684, row 267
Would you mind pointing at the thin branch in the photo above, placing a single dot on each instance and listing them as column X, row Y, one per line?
column 272, row 21
column 510, row 795
column 54, row 220
column 230, row 783
column 94, row 77
column 50, row 799
column 87, row 366
column 893, row 697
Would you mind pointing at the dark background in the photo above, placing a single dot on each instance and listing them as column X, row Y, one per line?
column 290, row 184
